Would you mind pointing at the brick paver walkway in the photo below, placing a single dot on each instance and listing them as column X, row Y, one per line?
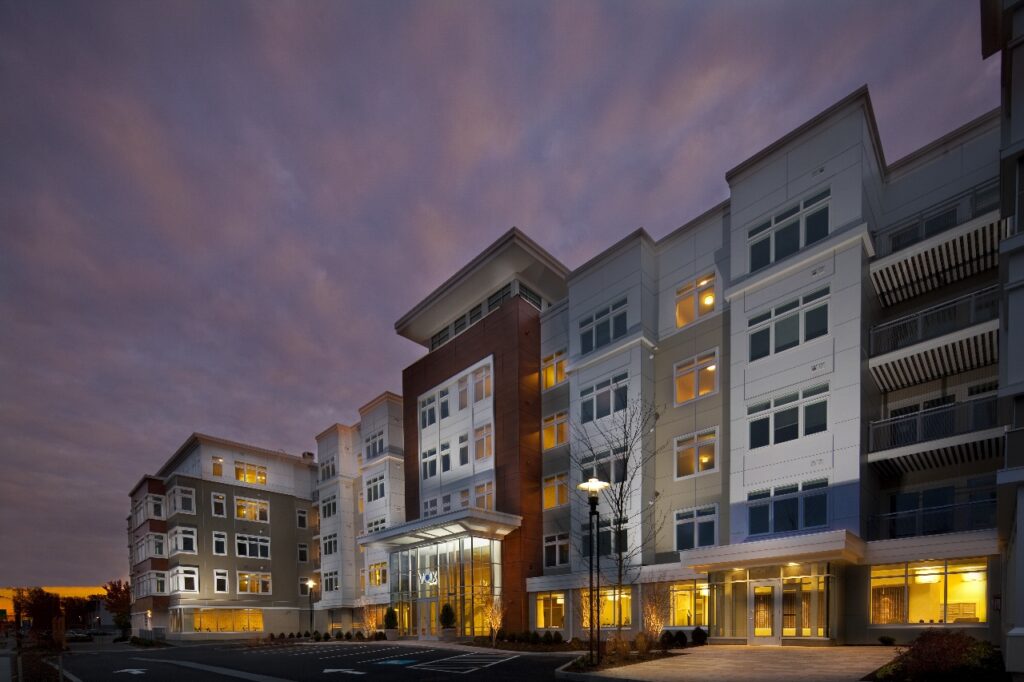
column 726, row 663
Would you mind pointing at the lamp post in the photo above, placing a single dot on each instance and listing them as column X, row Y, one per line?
column 593, row 488
column 310, row 584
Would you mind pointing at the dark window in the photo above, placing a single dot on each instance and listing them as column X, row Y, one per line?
column 815, row 510
column 602, row 333
column 816, row 322
column 815, row 417
column 787, row 514
column 684, row 536
column 759, row 433
column 758, row 519
column 817, row 225
column 604, row 404
column 760, row 254
column 619, row 325
column 787, row 240
column 786, row 425
column 587, row 411
column 787, row 333
column 586, row 341
column 620, row 398
column 760, row 344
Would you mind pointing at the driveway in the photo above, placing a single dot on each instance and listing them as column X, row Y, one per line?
column 726, row 663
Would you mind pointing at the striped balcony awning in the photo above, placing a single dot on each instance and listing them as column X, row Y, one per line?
column 963, row 449
column 962, row 350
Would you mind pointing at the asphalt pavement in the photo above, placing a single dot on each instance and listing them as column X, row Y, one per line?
column 300, row 661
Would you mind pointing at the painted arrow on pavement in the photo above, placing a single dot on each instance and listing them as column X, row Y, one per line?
column 132, row 671
column 344, row 670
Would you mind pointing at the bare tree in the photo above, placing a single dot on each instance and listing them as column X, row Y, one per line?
column 494, row 617
column 656, row 605
column 371, row 617
column 618, row 448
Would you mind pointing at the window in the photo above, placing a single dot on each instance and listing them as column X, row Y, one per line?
column 185, row 579
column 481, row 383
column 778, row 420
column 443, row 403
column 688, row 604
column 783, row 327
column 428, row 414
column 498, row 297
column 223, row 620
column 155, row 506
column 930, row 592
column 556, row 491
column 485, row 496
column 696, row 377
column 252, row 510
column 183, row 540
column 556, row 430
column 301, row 518
column 446, row 457
column 483, row 446
column 603, row 327
column 800, row 225
column 217, row 466
column 250, row 473
column 696, row 527
column 556, row 550
column 375, row 488
column 303, row 587
column 613, row 604
column 183, row 500
column 220, row 543
column 429, row 463
column 328, row 507
column 378, row 574
column 219, row 504
column 463, row 393
column 609, row 466
column 430, row 507
column 603, row 398
column 253, row 583
column 788, row 507
column 550, row 610
column 253, row 546
column 464, row 498
column 439, row 338
column 330, row 581
column 696, row 453
column 695, row 299
column 552, row 370
column 303, row 553
column 220, row 581
column 374, row 444
column 328, row 469
column 609, row 540
column 376, row 525
column 464, row 449
column 330, row 544
column 446, row 503
column 476, row 313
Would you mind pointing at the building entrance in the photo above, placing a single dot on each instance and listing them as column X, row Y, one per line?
column 765, row 612
column 427, row 615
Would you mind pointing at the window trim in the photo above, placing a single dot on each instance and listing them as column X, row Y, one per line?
column 260, row 542
column 554, row 421
column 756, row 411
column 213, row 505
column 555, row 361
column 259, row 581
column 705, row 359
column 766, row 320
column 560, row 481
column 219, row 573
column 609, row 312
column 213, row 547
column 796, row 211
column 258, row 502
column 698, row 286
column 695, row 437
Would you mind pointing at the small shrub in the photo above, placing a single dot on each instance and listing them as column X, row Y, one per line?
column 577, row 644
column 524, row 636
column 348, row 636
column 679, row 639
column 557, row 637
column 666, row 640
column 501, row 635
column 937, row 655
column 291, row 635
column 306, row 635
column 390, row 619
column 360, row 637
column 271, row 637
column 643, row 644
column 699, row 636
column 548, row 638
column 447, row 616
column 886, row 640
column 534, row 637
column 281, row 636
column 316, row 636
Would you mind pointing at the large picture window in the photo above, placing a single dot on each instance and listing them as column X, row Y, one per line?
column 250, row 473
column 694, row 300
column 603, row 398
column 603, row 327
column 550, row 610
column 696, row 377
column 552, row 370
column 788, row 231
column 252, row 510
column 227, row 620
column 556, row 430
column 930, row 592
column 788, row 325
column 614, row 605
column 779, row 420
column 788, row 507
column 688, row 604
column 556, row 491
column 696, row 527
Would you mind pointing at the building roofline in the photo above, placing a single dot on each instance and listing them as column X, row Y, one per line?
column 720, row 207
column 512, row 236
column 978, row 122
column 332, row 427
column 640, row 234
column 386, row 396
column 860, row 96
column 197, row 438
column 146, row 477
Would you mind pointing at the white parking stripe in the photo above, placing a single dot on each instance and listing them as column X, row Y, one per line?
column 465, row 663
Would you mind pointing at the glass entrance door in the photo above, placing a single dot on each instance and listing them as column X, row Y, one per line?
column 765, row 612
column 427, row 617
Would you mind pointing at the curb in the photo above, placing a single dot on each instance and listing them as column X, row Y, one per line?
column 562, row 674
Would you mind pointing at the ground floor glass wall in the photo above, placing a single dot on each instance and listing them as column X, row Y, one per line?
column 464, row 573
column 930, row 592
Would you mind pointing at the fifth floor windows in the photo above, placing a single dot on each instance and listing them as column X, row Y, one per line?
column 374, row 444
column 695, row 299
column 788, row 325
column 603, row 327
column 250, row 473
column 799, row 225
column 604, row 398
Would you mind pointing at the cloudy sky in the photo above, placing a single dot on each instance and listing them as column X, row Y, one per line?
column 212, row 213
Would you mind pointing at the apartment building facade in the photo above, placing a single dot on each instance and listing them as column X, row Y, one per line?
column 220, row 542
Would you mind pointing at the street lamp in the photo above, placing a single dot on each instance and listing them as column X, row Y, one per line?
column 310, row 583
column 593, row 488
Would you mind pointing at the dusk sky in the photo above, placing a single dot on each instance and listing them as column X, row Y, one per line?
column 212, row 213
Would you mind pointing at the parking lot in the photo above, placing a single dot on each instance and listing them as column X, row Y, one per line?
column 309, row 661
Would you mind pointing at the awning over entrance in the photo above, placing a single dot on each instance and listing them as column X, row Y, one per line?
column 477, row 522
column 833, row 545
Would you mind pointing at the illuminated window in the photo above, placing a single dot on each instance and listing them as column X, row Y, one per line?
column 603, row 327
column 696, row 377
column 556, row 550
column 695, row 299
column 218, row 466
column 227, row 620
column 614, row 606
column 483, row 446
column 378, row 574
column 786, row 326
column 688, row 604
column 248, row 509
column 219, row 504
column 696, row 453
column 254, row 583
column 788, row 231
column 550, row 610
column 556, row 430
column 250, row 473
column 604, row 398
column 556, row 491
column 481, row 383
column 252, row 546
column 552, row 370
column 930, row 592
column 485, row 496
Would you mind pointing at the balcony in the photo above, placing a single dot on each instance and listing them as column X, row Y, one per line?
column 978, row 513
column 946, row 339
column 951, row 434
column 939, row 247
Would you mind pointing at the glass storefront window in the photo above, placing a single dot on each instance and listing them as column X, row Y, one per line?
column 227, row 620
column 613, row 604
column 688, row 604
column 929, row 592
column 550, row 610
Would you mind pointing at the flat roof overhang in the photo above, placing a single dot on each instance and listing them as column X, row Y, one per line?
column 833, row 545
column 476, row 522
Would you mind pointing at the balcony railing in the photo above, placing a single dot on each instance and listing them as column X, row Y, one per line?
column 938, row 422
column 936, row 321
column 976, row 202
column 976, row 514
